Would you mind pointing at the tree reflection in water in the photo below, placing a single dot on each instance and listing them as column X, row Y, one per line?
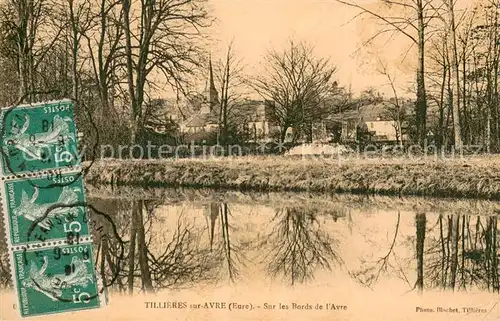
column 298, row 245
column 228, row 253
column 458, row 252
column 444, row 251
column 173, row 260
column 465, row 253
column 369, row 272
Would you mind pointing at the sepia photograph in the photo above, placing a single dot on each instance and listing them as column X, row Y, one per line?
column 250, row 160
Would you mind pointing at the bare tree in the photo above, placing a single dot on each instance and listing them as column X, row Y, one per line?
column 396, row 111
column 161, row 36
column 298, row 83
column 455, row 73
column 104, row 49
column 229, row 76
column 34, row 34
column 411, row 20
column 79, row 22
column 484, row 74
column 438, row 89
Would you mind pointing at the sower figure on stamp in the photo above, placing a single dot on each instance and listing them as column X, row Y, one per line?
column 33, row 211
column 76, row 274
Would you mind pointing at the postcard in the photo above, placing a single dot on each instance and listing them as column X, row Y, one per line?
column 249, row 160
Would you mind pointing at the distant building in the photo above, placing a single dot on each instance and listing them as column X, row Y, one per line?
column 381, row 125
column 255, row 118
column 383, row 129
column 252, row 116
column 205, row 117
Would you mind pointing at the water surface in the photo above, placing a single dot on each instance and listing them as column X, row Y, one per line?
column 382, row 258
column 188, row 239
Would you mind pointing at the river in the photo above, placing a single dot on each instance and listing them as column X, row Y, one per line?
column 291, row 256
column 205, row 237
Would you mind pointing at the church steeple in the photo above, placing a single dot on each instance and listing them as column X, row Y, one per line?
column 214, row 213
column 213, row 95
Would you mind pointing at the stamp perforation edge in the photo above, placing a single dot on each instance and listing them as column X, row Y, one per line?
column 5, row 210
column 50, row 244
column 71, row 104
column 101, row 295
column 38, row 104
column 41, row 173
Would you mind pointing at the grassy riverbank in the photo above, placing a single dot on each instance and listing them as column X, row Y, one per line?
column 472, row 177
column 320, row 203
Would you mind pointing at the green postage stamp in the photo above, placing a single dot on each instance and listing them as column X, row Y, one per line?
column 45, row 212
column 57, row 279
column 39, row 211
column 38, row 137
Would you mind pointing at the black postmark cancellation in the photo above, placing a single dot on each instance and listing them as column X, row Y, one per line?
column 38, row 137
column 39, row 214
column 57, row 279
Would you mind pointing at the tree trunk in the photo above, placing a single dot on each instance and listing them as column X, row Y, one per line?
column 466, row 124
column 496, row 54
column 74, row 51
column 441, row 106
column 420, row 220
column 102, row 73
column 454, row 249
column 488, row 129
column 134, row 116
column 284, row 129
column 455, row 77
column 147, row 284
column 22, row 48
column 421, row 103
column 131, row 253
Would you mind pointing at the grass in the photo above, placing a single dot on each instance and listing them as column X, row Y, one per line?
column 471, row 177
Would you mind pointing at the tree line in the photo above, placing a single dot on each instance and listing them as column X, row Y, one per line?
column 457, row 53
column 108, row 56
column 113, row 56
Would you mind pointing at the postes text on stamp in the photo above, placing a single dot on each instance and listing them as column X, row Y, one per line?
column 56, row 279
column 38, row 137
column 37, row 214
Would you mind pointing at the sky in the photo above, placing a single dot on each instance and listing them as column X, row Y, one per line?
column 259, row 25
